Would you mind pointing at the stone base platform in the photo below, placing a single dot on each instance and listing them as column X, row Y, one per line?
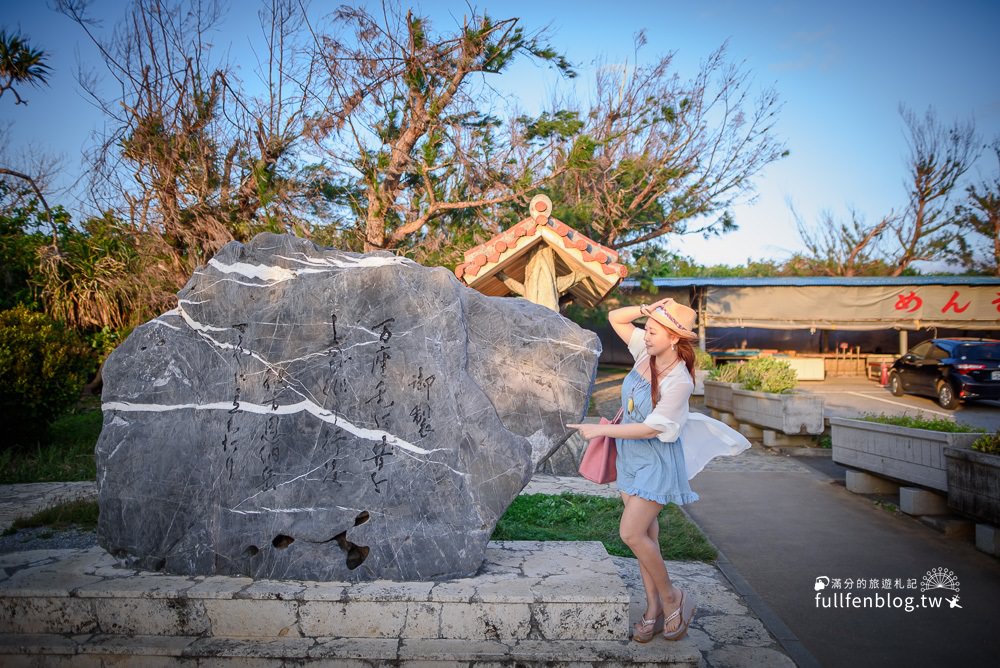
column 532, row 603
column 155, row 651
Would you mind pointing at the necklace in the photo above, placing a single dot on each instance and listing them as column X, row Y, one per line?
column 631, row 401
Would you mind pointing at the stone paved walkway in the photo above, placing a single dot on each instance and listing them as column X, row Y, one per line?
column 724, row 629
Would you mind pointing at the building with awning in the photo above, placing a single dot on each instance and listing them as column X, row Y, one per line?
column 819, row 315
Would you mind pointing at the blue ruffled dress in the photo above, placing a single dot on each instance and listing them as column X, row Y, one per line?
column 649, row 467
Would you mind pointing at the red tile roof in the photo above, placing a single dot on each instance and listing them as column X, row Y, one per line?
column 591, row 251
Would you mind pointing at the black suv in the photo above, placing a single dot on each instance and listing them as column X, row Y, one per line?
column 951, row 370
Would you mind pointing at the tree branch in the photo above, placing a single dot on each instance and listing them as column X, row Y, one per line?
column 438, row 208
column 41, row 198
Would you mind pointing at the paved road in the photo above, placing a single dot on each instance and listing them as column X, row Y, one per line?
column 781, row 530
column 849, row 397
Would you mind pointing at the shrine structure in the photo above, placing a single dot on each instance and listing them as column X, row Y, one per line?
column 542, row 259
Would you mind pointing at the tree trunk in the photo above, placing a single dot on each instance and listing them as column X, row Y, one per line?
column 375, row 226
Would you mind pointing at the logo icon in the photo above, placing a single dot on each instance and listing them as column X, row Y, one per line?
column 940, row 578
column 821, row 583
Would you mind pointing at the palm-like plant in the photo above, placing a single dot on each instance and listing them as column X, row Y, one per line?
column 20, row 64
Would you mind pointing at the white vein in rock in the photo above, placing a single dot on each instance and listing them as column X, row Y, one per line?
column 557, row 342
column 265, row 509
column 194, row 324
column 363, row 261
column 266, row 409
column 202, row 328
column 164, row 322
column 264, row 272
column 274, row 274
column 222, row 279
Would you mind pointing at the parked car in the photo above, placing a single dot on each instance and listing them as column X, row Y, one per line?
column 951, row 370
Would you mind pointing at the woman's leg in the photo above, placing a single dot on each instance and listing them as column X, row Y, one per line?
column 640, row 531
column 653, row 607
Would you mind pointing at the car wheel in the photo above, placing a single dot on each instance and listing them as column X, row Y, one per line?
column 946, row 396
column 895, row 384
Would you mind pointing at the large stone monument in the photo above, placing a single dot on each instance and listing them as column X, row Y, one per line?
column 307, row 413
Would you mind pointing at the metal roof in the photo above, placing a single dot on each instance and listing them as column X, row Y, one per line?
column 683, row 282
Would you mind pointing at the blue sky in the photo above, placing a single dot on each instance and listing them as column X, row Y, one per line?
column 841, row 69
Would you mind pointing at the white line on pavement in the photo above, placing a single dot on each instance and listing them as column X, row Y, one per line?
column 899, row 403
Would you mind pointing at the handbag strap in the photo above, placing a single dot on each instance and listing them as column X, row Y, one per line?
column 618, row 415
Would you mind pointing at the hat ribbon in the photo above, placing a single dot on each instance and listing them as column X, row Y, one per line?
column 672, row 319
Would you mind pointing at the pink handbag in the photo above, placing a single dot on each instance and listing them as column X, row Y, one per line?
column 598, row 463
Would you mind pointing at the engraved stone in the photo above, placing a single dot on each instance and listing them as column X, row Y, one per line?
column 313, row 414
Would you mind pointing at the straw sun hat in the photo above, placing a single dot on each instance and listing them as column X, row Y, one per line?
column 678, row 318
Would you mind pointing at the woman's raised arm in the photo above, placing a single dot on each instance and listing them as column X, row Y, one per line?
column 621, row 321
column 621, row 318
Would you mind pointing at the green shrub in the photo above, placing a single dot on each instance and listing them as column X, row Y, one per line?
column 990, row 444
column 106, row 339
column 67, row 454
column 768, row 374
column 702, row 360
column 43, row 367
column 932, row 424
column 727, row 373
column 760, row 374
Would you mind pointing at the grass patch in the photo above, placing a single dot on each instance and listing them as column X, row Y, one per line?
column 888, row 507
column 582, row 517
column 932, row 424
column 67, row 454
column 530, row 517
column 81, row 514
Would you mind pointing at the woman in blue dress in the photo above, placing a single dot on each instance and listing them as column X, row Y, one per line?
column 661, row 446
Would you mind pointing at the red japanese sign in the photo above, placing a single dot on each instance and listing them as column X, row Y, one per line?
column 912, row 302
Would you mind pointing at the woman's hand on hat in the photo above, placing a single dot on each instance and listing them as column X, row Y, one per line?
column 646, row 309
column 658, row 304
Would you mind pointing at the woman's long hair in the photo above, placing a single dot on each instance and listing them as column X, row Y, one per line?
column 685, row 351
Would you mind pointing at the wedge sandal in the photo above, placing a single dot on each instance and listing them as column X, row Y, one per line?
column 685, row 611
column 644, row 630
